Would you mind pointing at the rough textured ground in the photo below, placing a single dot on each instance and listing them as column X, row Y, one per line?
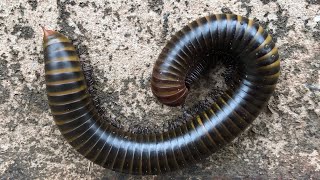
column 122, row 39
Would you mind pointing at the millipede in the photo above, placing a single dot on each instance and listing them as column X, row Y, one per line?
column 180, row 63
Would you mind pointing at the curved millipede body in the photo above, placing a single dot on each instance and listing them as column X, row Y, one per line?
column 180, row 62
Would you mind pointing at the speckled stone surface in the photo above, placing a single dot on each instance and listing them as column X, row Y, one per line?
column 121, row 40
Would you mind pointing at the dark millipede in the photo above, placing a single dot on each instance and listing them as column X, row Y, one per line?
column 180, row 63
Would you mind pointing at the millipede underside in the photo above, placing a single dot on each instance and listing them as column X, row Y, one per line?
column 207, row 64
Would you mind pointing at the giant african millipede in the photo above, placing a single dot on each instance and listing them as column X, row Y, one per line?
column 179, row 64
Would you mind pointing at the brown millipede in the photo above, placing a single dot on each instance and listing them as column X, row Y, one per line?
column 179, row 64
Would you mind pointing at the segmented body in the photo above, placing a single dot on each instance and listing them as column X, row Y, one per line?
column 181, row 59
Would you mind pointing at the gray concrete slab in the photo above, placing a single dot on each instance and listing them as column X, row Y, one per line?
column 122, row 40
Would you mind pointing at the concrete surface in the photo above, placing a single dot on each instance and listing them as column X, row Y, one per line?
column 121, row 40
